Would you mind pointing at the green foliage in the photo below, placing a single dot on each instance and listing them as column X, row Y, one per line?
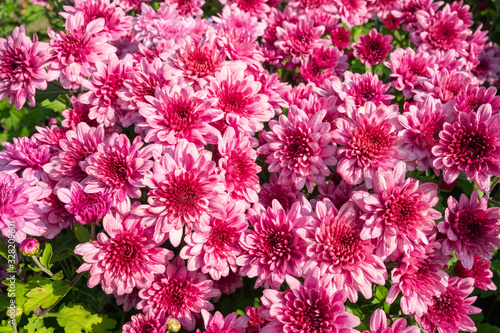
column 75, row 318
column 45, row 293
column 36, row 325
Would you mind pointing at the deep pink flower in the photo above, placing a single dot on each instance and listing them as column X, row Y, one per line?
column 228, row 284
column 352, row 12
column 214, row 250
column 255, row 320
column 129, row 258
column 324, row 63
column 336, row 190
column 232, row 323
column 177, row 113
column 313, row 307
column 54, row 216
column 473, row 96
column 275, row 250
column 444, row 84
column 29, row 247
column 103, row 88
column 340, row 37
column 79, row 114
column 471, row 228
column 399, row 213
column 20, row 207
column 141, row 323
column 178, row 293
column 410, row 9
column 368, row 143
column 488, row 68
column 22, row 70
column 286, row 194
column 185, row 191
column 472, row 144
column 372, row 48
column 298, row 147
column 335, row 247
column 378, row 324
column 449, row 311
column 480, row 271
column 257, row 8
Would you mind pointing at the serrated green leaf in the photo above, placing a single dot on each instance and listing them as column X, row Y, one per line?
column 5, row 327
column 81, row 233
column 75, row 318
column 46, row 256
column 45, row 294
column 36, row 325
column 51, row 93
column 58, row 276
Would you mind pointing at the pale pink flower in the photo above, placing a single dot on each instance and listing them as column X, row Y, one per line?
column 178, row 293
column 378, row 324
column 372, row 48
column 444, row 84
column 480, row 271
column 410, row 9
column 489, row 65
column 274, row 247
column 257, row 8
column 188, row 8
column 22, row 71
column 314, row 306
column 217, row 323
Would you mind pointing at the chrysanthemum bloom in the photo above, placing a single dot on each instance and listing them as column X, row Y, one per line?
column 188, row 8
column 75, row 147
column 255, row 320
column 399, row 213
column 473, row 96
column 129, row 258
column 336, row 190
column 443, row 30
column 237, row 160
column 313, row 307
column 444, row 84
column 340, row 37
column 72, row 54
column 410, row 9
column 185, row 191
column 472, row 143
column 286, row 194
column 297, row 40
column 449, row 311
column 232, row 323
column 238, row 96
column 54, row 216
column 26, row 154
column 409, row 69
column 368, row 143
column 275, row 250
column 22, row 63
column 480, row 271
column 116, row 23
column 471, row 228
column 20, row 207
column 103, row 87
column 117, row 167
column 178, row 293
column 489, row 66
column 335, row 247
column 214, row 250
column 297, row 146
column 352, row 12
column 378, row 324
column 228, row 284
column 257, row 8
column 79, row 114
column 372, row 48
column 420, row 276
column 141, row 323
column 358, row 89
column 324, row 63
column 29, row 247
column 177, row 113
column 392, row 22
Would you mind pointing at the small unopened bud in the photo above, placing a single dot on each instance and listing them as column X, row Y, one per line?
column 173, row 325
column 29, row 247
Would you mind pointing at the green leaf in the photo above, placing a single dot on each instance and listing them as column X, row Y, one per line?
column 487, row 328
column 51, row 93
column 81, row 233
column 5, row 327
column 75, row 318
column 46, row 256
column 47, row 293
column 58, row 276
column 35, row 325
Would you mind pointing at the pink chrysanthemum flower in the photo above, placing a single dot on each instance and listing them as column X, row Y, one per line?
column 324, row 63
column 85, row 207
column 399, row 213
column 286, row 194
column 275, row 250
column 372, row 48
column 444, row 84
column 22, row 63
column 297, row 40
column 369, row 143
column 117, row 167
column 298, row 147
column 188, row 8
column 409, row 69
column 255, row 320
column 471, row 228
column 238, row 96
column 410, row 9
column 79, row 114
column 449, row 311
column 336, row 190
column 103, row 88
column 232, row 323
column 178, row 293
column 473, row 96
column 141, row 323
column 54, row 216
column 214, row 250
column 480, row 271
column 129, row 258
column 73, row 54
column 177, row 113
column 419, row 277
column 489, row 65
column 228, row 284
column 443, row 30
column 358, row 89
column 26, row 154
column 237, row 160
column 20, row 207
column 335, row 247
column 116, row 23
column 340, row 37
column 75, row 148
column 472, row 144
column 353, row 12
column 313, row 307
column 421, row 125
column 185, row 191
column 378, row 324
column 257, row 8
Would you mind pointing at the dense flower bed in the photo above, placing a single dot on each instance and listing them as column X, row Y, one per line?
column 254, row 170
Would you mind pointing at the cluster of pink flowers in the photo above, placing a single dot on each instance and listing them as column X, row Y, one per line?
column 201, row 169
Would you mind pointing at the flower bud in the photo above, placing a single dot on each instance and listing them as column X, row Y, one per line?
column 173, row 325
column 29, row 247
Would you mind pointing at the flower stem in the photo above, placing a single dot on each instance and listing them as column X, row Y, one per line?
column 39, row 264
column 92, row 232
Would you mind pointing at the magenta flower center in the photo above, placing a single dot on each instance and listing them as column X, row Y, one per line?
column 470, row 146
column 442, row 35
column 109, row 88
column 339, row 244
column 370, row 143
column 200, row 63
column 301, row 40
column 364, row 92
column 71, row 46
column 13, row 66
column 112, row 169
column 470, row 226
column 219, row 238
column 89, row 207
column 297, row 147
column 171, row 296
column 232, row 101
column 445, row 308
column 178, row 114
column 181, row 195
column 275, row 244
column 125, row 255
column 307, row 316
column 402, row 211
